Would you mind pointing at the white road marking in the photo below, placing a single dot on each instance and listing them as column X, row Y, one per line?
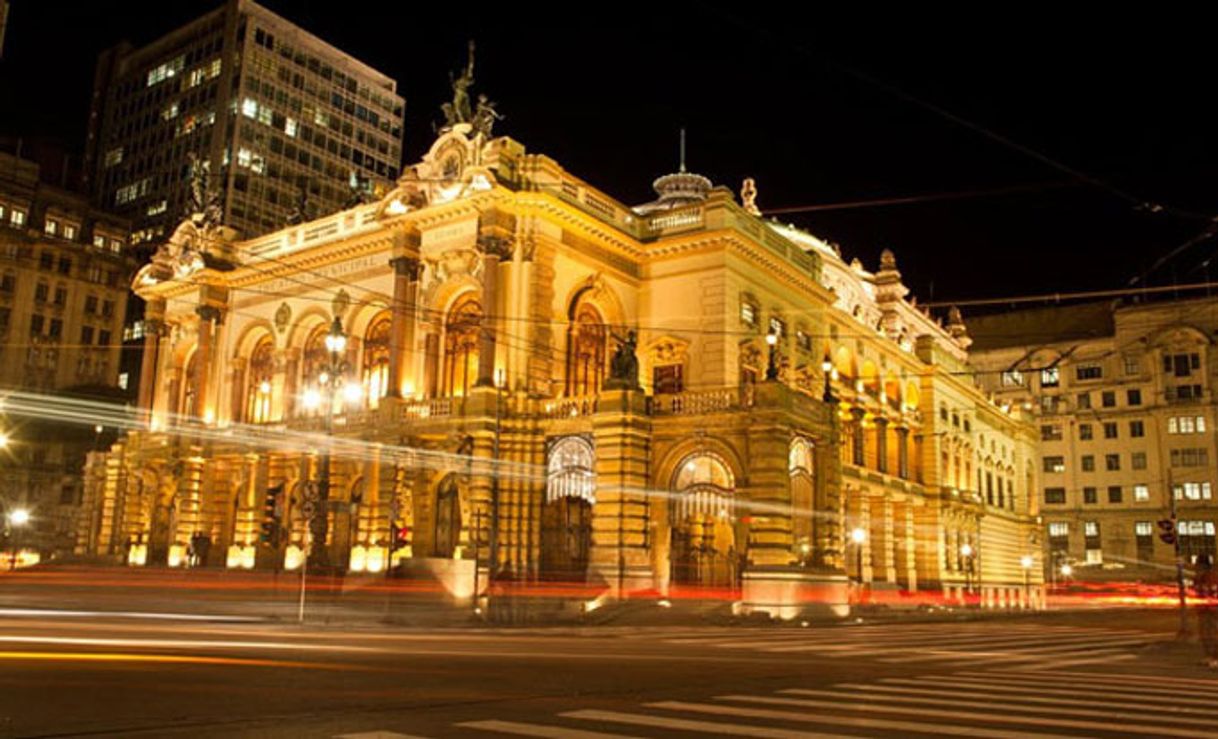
column 971, row 716
column 992, row 705
column 706, row 727
column 557, row 732
column 836, row 719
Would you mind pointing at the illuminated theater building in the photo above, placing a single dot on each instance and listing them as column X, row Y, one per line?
column 537, row 378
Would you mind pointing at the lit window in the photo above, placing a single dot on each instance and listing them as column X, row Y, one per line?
column 123, row 380
column 113, row 157
column 50, row 227
column 1012, row 378
column 289, row 127
column 1141, row 493
column 1095, row 556
column 99, row 241
column 69, row 232
column 1050, row 377
column 170, row 112
column 249, row 108
column 18, row 218
column 1059, row 528
column 1091, row 528
column 244, row 157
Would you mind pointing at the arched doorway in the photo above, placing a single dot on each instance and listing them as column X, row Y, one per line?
column 566, row 519
column 803, row 499
column 447, row 533
column 703, row 520
column 260, row 383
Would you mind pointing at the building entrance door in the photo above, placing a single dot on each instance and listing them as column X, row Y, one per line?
column 566, row 539
column 448, row 519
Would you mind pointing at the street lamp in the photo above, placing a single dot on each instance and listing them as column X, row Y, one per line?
column 826, row 367
column 858, row 536
column 1026, row 563
column 966, row 551
column 17, row 519
column 330, row 379
column 3, row 440
column 771, row 369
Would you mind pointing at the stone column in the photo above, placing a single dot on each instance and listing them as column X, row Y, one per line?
column 153, row 327
column 237, row 390
column 903, row 452
column 494, row 250
column 620, row 543
column 881, row 444
column 401, row 333
column 857, row 440
column 209, row 317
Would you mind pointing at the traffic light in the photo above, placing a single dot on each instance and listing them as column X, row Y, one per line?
column 399, row 537
column 1167, row 530
column 271, row 514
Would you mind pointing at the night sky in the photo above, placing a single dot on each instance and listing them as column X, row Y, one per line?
column 775, row 94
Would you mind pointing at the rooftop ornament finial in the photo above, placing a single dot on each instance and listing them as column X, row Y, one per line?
column 682, row 168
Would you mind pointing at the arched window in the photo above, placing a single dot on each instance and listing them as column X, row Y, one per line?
column 570, row 470
column 803, row 497
column 190, row 396
column 800, row 456
column 461, row 334
column 585, row 351
column 705, row 486
column 375, row 376
column 258, row 385
column 313, row 362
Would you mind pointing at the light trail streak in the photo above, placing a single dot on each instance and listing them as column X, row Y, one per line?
column 170, row 659
column 280, row 438
column 180, row 643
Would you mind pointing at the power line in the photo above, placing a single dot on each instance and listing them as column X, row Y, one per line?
column 928, row 198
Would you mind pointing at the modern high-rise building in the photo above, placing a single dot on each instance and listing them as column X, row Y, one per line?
column 1124, row 398
column 64, row 277
column 280, row 119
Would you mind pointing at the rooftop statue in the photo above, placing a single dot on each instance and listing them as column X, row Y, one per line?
column 485, row 116
column 459, row 110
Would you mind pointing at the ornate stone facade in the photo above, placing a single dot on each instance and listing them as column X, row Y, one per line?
column 490, row 414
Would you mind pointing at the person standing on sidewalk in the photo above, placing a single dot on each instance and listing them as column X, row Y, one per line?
column 1205, row 585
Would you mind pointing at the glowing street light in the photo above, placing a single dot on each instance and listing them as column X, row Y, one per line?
column 3, row 440
column 967, row 552
column 1067, row 570
column 858, row 536
column 771, row 369
column 1026, row 563
column 17, row 520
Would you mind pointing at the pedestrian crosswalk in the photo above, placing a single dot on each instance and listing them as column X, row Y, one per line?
column 1031, row 645
column 994, row 704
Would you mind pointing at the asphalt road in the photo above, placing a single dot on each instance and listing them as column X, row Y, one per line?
column 1093, row 674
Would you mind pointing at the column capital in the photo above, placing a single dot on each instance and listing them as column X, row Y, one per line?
column 495, row 246
column 209, row 313
column 407, row 266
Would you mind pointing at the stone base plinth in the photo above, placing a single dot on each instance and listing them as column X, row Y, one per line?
column 790, row 592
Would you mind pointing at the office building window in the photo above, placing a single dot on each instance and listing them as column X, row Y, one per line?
column 1110, row 430
column 1137, row 460
column 1108, row 399
column 1186, row 425
column 1141, row 493
column 1112, row 462
column 1192, row 491
column 1051, row 432
column 1181, row 365
column 1195, row 538
column 1050, row 377
column 1197, row 457
column 1134, row 396
column 1090, row 496
column 1084, row 401
column 1055, row 464
column 1012, row 378
column 1144, row 535
column 1055, row 496
column 1136, row 429
column 1114, row 493
column 1133, row 365
column 1085, row 432
column 1088, row 372
column 1088, row 462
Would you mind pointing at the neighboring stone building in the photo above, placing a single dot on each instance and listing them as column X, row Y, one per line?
column 1125, row 407
column 491, row 315
column 266, row 106
column 64, row 276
